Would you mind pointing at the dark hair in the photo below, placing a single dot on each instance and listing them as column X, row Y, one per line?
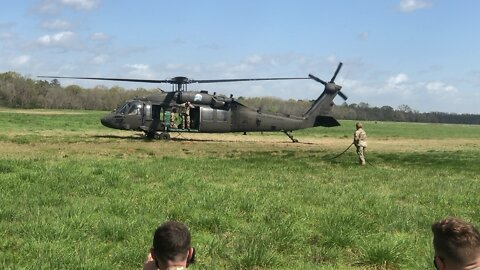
column 171, row 241
column 456, row 240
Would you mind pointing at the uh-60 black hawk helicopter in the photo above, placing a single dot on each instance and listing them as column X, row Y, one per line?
column 213, row 113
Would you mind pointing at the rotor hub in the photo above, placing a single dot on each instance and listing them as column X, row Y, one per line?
column 332, row 87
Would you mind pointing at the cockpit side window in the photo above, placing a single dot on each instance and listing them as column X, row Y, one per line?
column 135, row 109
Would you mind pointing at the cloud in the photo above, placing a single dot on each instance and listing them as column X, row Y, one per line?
column 412, row 5
column 6, row 36
column 8, row 25
column 80, row 4
column 21, row 60
column 56, row 25
column 140, row 71
column 65, row 39
column 359, row 88
column 397, row 81
column 268, row 64
column 47, row 6
column 332, row 59
column 6, row 31
column 398, row 89
column 99, row 36
column 54, row 6
column 100, row 59
column 395, row 88
column 254, row 59
column 440, row 88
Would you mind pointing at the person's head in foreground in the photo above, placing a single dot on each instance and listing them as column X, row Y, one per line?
column 456, row 244
column 171, row 247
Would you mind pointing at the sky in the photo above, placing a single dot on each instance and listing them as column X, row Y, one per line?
column 421, row 53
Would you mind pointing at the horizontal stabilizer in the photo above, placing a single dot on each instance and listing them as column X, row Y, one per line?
column 325, row 121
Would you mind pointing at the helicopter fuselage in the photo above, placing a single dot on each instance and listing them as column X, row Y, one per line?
column 210, row 114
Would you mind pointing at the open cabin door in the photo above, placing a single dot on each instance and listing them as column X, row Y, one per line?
column 156, row 121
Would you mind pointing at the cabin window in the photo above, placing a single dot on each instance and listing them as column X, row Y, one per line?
column 221, row 115
column 148, row 111
column 207, row 114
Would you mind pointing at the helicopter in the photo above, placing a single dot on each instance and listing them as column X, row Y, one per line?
column 157, row 115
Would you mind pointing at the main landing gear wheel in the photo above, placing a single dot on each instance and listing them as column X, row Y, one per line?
column 150, row 135
column 158, row 136
column 164, row 136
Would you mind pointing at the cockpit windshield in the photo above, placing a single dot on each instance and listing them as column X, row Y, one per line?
column 130, row 108
column 123, row 109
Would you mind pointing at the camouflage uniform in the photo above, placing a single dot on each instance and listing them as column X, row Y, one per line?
column 173, row 118
column 360, row 141
column 186, row 115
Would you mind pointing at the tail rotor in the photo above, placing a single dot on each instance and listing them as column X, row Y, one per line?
column 331, row 86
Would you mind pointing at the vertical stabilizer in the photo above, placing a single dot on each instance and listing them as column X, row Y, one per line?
column 320, row 112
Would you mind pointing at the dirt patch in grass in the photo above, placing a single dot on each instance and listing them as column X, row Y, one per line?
column 126, row 144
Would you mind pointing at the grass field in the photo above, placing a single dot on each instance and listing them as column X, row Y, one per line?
column 76, row 195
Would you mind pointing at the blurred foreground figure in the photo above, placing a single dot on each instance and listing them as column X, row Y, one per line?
column 457, row 245
column 171, row 249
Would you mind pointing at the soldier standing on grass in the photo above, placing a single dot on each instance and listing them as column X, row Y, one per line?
column 360, row 141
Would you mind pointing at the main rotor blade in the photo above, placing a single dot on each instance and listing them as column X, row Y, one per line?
column 247, row 80
column 176, row 80
column 317, row 79
column 336, row 72
column 108, row 79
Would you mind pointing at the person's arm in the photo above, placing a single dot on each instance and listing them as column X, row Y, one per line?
column 355, row 138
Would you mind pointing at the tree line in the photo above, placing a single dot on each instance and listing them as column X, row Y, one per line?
column 17, row 91
column 362, row 111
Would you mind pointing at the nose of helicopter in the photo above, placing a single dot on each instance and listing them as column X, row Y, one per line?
column 107, row 121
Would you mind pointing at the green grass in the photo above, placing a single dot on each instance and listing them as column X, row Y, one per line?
column 41, row 120
column 276, row 206
column 393, row 130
